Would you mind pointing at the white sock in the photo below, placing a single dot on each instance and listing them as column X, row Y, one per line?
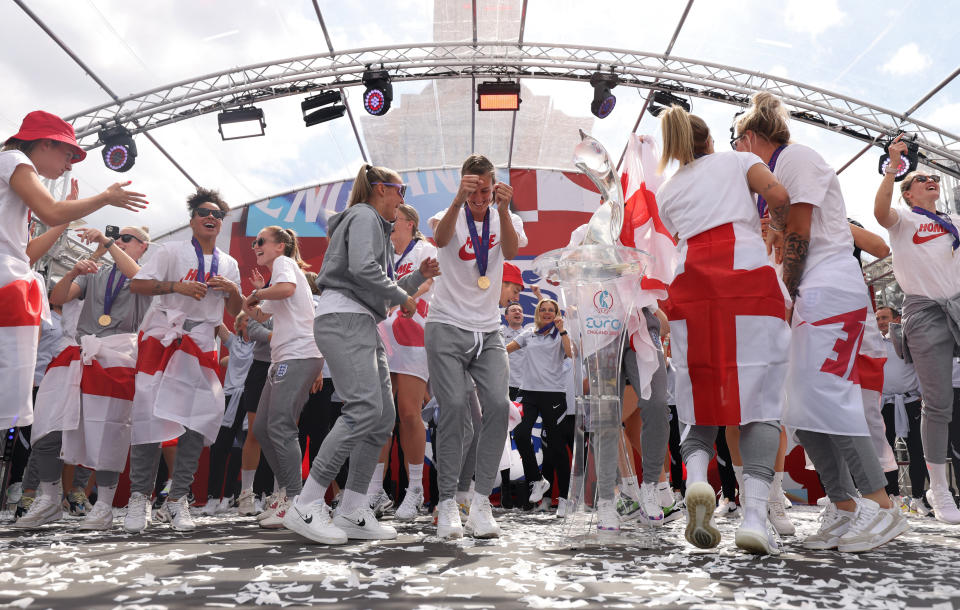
column 776, row 488
column 351, row 501
column 664, row 493
column 246, row 479
column 463, row 497
column 738, row 473
column 754, row 501
column 476, row 499
column 697, row 463
column 937, row 472
column 376, row 481
column 312, row 492
column 630, row 486
column 415, row 474
column 105, row 494
column 53, row 489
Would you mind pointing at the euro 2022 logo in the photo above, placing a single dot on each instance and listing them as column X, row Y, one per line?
column 603, row 301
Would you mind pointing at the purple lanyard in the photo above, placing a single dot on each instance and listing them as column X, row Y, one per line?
column 761, row 202
column 942, row 221
column 214, row 261
column 392, row 271
column 110, row 295
column 481, row 248
column 547, row 328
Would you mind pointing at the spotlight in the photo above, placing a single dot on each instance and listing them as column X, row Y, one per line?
column 322, row 109
column 907, row 165
column 238, row 123
column 379, row 93
column 119, row 150
column 669, row 99
column 498, row 96
column 603, row 100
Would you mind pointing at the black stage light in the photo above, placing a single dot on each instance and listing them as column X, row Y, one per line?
column 119, row 150
column 603, row 100
column 379, row 93
column 498, row 96
column 237, row 123
column 906, row 165
column 322, row 107
column 669, row 99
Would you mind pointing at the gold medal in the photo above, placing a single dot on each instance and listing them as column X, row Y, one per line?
column 104, row 320
column 483, row 282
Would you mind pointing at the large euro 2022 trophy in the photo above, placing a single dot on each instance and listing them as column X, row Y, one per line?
column 599, row 284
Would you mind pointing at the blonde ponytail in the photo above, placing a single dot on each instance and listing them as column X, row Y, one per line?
column 291, row 245
column 684, row 137
column 767, row 118
column 366, row 177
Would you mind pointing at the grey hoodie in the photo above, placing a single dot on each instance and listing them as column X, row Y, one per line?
column 356, row 261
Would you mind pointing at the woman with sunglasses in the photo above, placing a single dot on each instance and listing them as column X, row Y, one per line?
column 45, row 147
column 830, row 309
column 408, row 366
column 924, row 242
column 356, row 293
column 296, row 363
column 178, row 389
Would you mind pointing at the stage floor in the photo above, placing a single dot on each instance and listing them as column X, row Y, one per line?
column 229, row 562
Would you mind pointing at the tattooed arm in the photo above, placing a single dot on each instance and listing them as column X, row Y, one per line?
column 762, row 182
column 796, row 246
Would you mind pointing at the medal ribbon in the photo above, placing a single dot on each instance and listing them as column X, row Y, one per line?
column 110, row 295
column 761, row 202
column 547, row 328
column 214, row 262
column 392, row 271
column 481, row 247
column 943, row 221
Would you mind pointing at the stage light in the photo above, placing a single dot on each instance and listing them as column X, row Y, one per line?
column 668, row 99
column 238, row 123
column 907, row 164
column 322, row 110
column 119, row 150
column 498, row 96
column 379, row 93
column 603, row 100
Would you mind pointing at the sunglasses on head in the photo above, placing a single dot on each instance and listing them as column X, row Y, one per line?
column 921, row 179
column 400, row 187
column 204, row 212
column 126, row 238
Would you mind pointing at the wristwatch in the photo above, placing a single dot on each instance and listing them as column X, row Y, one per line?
column 107, row 245
column 563, row 333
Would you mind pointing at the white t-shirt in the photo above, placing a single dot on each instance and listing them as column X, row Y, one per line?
column 241, row 357
column 292, row 337
column 516, row 358
column 923, row 259
column 709, row 192
column 177, row 261
column 457, row 300
column 13, row 211
column 898, row 376
column 411, row 262
column 808, row 179
column 543, row 367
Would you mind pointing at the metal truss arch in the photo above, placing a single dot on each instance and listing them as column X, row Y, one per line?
column 489, row 59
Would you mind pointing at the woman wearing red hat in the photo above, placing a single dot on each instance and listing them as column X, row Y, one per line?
column 44, row 147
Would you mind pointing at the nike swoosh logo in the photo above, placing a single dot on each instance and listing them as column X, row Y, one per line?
column 919, row 240
column 308, row 519
column 361, row 522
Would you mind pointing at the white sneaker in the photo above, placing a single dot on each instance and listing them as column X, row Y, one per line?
column 564, row 507
column 362, row 524
column 873, row 527
column 480, row 522
column 608, row 519
column 380, row 503
column 313, row 523
column 274, row 521
column 779, row 519
column 664, row 494
column 43, row 510
column 99, row 518
column 701, row 529
column 78, row 503
column 411, row 505
column 944, row 507
column 138, row 513
column 537, row 489
column 211, row 507
column 271, row 503
column 918, row 506
column 177, row 514
column 449, row 526
column 675, row 509
column 834, row 523
column 756, row 542
column 14, row 493
column 225, row 505
column 650, row 504
column 786, row 501
column 246, row 503
column 727, row 509
column 823, row 501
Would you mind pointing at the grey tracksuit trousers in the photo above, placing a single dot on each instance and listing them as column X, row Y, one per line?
column 452, row 355
column 759, row 442
column 654, row 415
column 145, row 460
column 844, row 463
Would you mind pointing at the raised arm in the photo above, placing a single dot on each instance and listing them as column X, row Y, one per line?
column 509, row 240
column 886, row 216
column 26, row 184
column 443, row 232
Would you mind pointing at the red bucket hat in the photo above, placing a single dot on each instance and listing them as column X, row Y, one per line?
column 511, row 273
column 39, row 124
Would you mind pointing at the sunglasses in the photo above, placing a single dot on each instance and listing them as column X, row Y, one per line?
column 258, row 242
column 204, row 212
column 126, row 238
column 733, row 141
column 921, row 179
column 400, row 187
